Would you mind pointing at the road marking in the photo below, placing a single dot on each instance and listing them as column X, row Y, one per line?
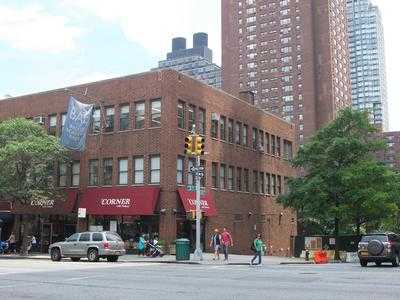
column 80, row 278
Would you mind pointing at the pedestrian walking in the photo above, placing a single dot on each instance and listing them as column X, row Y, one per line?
column 12, row 243
column 226, row 242
column 215, row 243
column 141, row 245
column 257, row 248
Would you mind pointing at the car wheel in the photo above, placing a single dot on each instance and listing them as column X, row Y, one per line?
column 395, row 262
column 55, row 254
column 378, row 263
column 93, row 255
column 363, row 263
column 75, row 258
column 112, row 258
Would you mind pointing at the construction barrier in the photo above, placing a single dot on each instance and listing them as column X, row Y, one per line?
column 320, row 257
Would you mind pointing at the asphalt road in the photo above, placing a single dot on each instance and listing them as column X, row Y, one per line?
column 42, row 279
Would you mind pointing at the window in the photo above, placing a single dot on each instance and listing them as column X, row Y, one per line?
column 255, row 182
column 261, row 140
column 231, row 179
column 138, row 170
column 179, row 170
column 95, row 120
column 62, row 174
column 238, row 127
column 267, row 143
column 230, row 131
column 75, row 174
column 97, row 237
column 273, row 144
column 268, row 186
column 214, row 175
column 273, row 184
column 107, row 171
column 181, row 114
column 278, row 146
column 155, row 169
column 85, row 237
column 155, row 113
column 124, row 117
column 52, row 124
column 109, row 119
column 262, row 183
column 93, row 172
column 246, row 180
column 244, row 135
column 222, row 175
column 287, row 149
column 63, row 119
column 239, row 179
column 202, row 121
column 123, row 171
column 73, row 238
column 214, row 128
column 139, row 115
column 254, row 138
column 191, row 116
column 222, row 128
column 279, row 184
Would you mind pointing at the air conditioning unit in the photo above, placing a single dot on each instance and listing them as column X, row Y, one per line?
column 39, row 120
column 214, row 117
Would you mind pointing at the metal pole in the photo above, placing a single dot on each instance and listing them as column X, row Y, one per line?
column 198, row 253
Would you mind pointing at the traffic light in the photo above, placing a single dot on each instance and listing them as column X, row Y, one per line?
column 189, row 145
column 199, row 145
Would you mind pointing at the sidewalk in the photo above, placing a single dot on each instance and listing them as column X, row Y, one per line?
column 234, row 259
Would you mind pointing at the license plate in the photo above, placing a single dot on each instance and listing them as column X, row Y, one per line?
column 364, row 253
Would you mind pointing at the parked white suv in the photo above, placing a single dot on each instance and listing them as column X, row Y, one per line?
column 93, row 245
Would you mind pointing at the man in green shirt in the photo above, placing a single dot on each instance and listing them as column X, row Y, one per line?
column 258, row 244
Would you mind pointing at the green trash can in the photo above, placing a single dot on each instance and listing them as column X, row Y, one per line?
column 182, row 248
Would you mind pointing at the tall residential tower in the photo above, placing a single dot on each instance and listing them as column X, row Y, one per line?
column 292, row 54
column 367, row 59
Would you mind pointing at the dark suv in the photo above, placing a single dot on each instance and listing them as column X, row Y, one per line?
column 379, row 248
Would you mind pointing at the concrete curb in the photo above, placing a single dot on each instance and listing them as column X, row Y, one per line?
column 297, row 263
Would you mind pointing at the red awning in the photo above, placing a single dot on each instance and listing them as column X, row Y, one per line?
column 207, row 202
column 120, row 201
column 47, row 206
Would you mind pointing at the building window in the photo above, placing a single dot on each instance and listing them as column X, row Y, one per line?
column 138, row 170
column 231, row 179
column 62, row 174
column 110, row 112
column 107, row 171
column 139, row 115
column 267, row 143
column 214, row 175
column 93, row 172
column 279, row 184
column 255, row 182
column 244, row 135
column 123, row 171
column 191, row 116
column 230, row 131
column 75, row 174
column 261, row 140
column 155, row 113
column 222, row 128
column 181, row 114
column 222, row 177
column 262, row 183
column 179, row 170
column 273, row 184
column 287, row 149
column 63, row 119
column 239, row 179
column 52, row 124
column 214, row 128
column 202, row 121
column 268, row 186
column 155, row 169
column 278, row 146
column 246, row 184
column 254, row 138
column 273, row 145
column 238, row 127
column 124, row 117
column 96, row 120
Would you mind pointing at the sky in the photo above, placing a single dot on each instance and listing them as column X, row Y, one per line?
column 46, row 44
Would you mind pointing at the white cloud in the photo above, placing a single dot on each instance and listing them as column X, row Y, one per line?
column 31, row 28
column 153, row 23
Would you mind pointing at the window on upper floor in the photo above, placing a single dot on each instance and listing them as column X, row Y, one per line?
column 93, row 172
column 124, row 119
column 181, row 114
column 155, row 169
column 231, row 178
column 96, row 121
column 202, row 121
column 230, row 130
column 140, row 114
column 244, row 135
column 238, row 129
column 155, row 113
column 62, row 175
column 222, row 128
column 75, row 174
column 222, row 177
column 122, row 171
column 179, row 169
column 246, row 180
column 191, row 116
column 214, row 175
column 52, row 124
column 138, row 170
column 107, row 171
column 110, row 113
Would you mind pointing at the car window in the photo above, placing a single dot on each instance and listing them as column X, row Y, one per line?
column 379, row 237
column 113, row 237
column 97, row 237
column 73, row 238
column 85, row 237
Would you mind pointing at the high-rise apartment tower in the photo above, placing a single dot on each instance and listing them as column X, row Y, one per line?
column 292, row 54
column 367, row 59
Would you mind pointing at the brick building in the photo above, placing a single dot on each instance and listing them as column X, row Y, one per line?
column 391, row 156
column 292, row 54
column 133, row 173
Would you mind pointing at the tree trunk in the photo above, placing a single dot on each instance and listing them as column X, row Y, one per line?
column 26, row 234
column 337, row 256
column 358, row 228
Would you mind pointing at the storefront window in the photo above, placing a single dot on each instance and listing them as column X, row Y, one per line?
column 155, row 113
column 110, row 112
column 179, row 170
column 107, row 171
column 123, row 171
column 76, row 170
column 124, row 117
column 138, row 169
column 62, row 175
column 96, row 120
column 181, row 114
column 139, row 115
column 155, row 169
column 192, row 116
column 93, row 172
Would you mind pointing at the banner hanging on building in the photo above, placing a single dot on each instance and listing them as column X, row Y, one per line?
column 77, row 122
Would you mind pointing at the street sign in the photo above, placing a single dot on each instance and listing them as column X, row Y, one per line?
column 81, row 212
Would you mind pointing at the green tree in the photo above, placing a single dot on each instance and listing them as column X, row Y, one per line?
column 28, row 156
column 342, row 182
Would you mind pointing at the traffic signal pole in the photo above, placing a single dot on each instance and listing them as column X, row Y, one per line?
column 198, row 254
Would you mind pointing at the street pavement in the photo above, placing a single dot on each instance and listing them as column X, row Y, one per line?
column 44, row 279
